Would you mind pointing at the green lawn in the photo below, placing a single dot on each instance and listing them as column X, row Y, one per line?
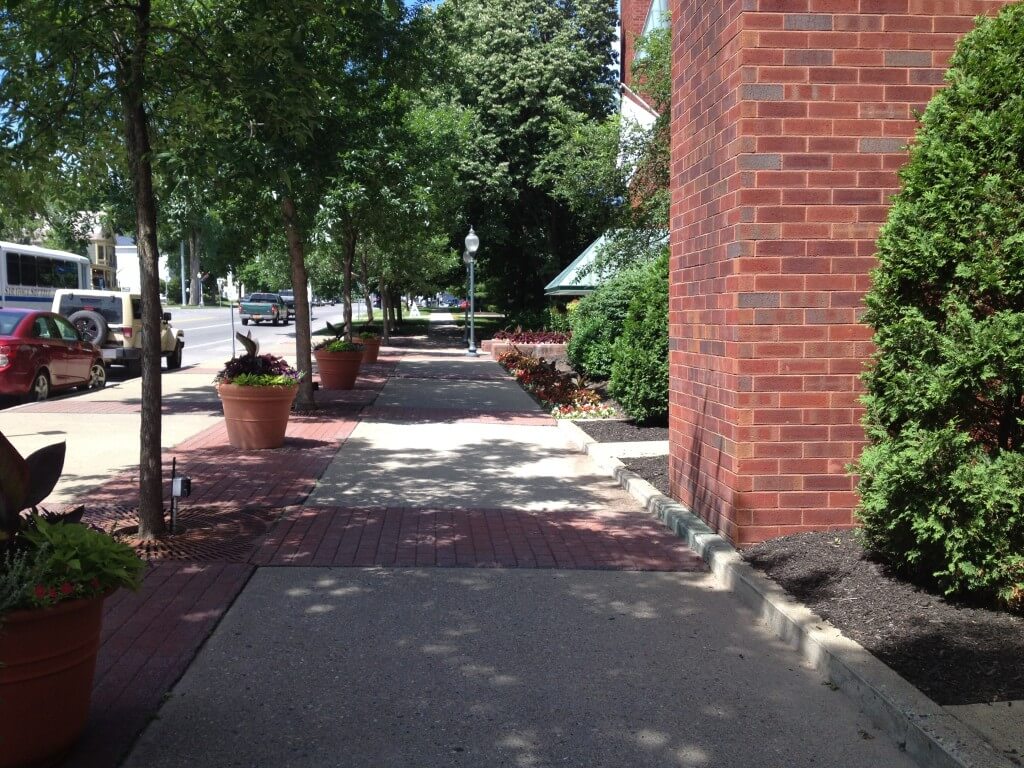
column 410, row 326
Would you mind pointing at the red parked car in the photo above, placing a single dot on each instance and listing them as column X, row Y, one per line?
column 41, row 352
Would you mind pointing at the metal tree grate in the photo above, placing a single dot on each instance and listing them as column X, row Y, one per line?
column 207, row 533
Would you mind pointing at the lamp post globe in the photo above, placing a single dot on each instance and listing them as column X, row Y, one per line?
column 472, row 243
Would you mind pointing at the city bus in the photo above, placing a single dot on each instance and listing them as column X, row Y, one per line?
column 30, row 275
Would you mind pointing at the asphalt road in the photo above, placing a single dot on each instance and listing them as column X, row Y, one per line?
column 208, row 330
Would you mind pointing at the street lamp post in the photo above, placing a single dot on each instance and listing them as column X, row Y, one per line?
column 472, row 243
column 465, row 309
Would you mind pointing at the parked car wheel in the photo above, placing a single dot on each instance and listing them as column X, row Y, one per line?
column 245, row 321
column 91, row 325
column 174, row 358
column 40, row 389
column 97, row 376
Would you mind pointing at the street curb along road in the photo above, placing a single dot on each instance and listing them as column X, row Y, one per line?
column 932, row 737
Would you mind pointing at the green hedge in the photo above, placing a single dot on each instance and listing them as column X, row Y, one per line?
column 640, row 371
column 942, row 481
column 597, row 322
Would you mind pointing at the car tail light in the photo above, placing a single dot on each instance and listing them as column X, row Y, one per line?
column 128, row 332
column 6, row 356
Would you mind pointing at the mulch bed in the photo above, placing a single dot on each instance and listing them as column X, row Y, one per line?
column 653, row 469
column 955, row 653
column 618, row 431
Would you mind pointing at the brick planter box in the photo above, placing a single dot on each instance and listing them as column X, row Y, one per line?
column 548, row 351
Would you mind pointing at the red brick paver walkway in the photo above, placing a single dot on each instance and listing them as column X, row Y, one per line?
column 476, row 538
column 149, row 639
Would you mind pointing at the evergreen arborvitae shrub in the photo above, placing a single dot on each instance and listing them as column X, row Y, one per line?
column 597, row 323
column 639, row 380
column 942, row 481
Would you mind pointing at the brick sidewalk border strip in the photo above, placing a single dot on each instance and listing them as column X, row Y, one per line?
column 149, row 639
column 278, row 478
column 474, row 538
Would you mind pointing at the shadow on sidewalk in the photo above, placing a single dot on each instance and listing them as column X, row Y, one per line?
column 481, row 471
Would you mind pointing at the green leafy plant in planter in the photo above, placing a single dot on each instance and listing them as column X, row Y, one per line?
column 370, row 341
column 338, row 361
column 255, row 370
column 54, row 575
column 66, row 561
column 47, row 558
column 338, row 345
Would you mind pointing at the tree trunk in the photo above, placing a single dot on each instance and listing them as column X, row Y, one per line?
column 195, row 297
column 348, row 257
column 385, row 335
column 364, row 269
column 131, row 77
column 300, row 281
column 399, row 307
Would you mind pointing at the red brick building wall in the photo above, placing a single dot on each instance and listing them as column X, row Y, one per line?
column 632, row 15
column 790, row 120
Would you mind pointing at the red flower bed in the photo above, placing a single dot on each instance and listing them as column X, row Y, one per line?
column 519, row 336
column 545, row 382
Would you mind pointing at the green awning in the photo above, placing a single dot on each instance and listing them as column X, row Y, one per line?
column 580, row 278
column 572, row 281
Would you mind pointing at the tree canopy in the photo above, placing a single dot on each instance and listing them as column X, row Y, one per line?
column 526, row 70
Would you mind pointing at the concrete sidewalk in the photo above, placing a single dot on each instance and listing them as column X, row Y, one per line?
column 440, row 667
column 428, row 574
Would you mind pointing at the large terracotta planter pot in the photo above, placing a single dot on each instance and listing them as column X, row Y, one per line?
column 47, row 662
column 338, row 370
column 371, row 348
column 256, row 417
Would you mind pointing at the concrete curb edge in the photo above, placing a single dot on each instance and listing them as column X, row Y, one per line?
column 931, row 736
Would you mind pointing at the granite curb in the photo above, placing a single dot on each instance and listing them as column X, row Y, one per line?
column 933, row 737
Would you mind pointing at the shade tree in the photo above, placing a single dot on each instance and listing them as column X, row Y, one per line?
column 77, row 80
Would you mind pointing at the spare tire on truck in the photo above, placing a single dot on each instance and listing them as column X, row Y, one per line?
column 91, row 325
